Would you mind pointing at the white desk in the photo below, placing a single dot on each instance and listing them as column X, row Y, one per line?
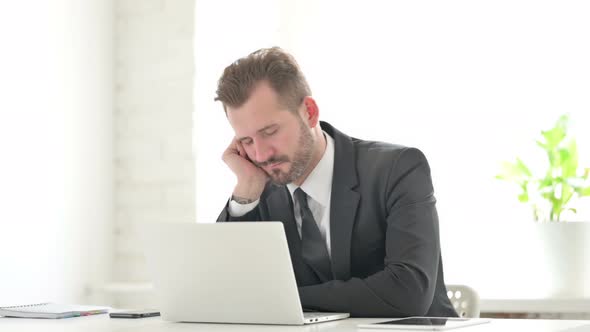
column 551, row 306
column 102, row 323
column 578, row 305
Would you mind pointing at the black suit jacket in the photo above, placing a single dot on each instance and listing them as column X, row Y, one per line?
column 385, row 245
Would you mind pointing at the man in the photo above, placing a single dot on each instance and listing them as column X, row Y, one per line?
column 359, row 216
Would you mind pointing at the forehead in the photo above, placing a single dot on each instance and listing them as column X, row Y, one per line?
column 262, row 109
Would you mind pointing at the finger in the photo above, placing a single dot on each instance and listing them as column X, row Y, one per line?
column 241, row 149
column 233, row 146
column 238, row 146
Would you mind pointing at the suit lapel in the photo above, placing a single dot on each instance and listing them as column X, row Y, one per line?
column 281, row 208
column 342, row 215
column 344, row 202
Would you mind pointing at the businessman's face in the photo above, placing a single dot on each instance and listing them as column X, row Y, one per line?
column 275, row 139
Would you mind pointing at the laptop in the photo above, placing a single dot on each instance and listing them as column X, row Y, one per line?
column 235, row 272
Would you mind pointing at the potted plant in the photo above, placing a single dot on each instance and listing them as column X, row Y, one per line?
column 550, row 193
column 552, row 196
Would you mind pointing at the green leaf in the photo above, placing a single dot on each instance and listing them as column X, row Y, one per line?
column 573, row 210
column 563, row 121
column 569, row 159
column 567, row 192
column 523, row 168
column 563, row 157
column 555, row 135
column 556, row 209
column 547, row 195
column 584, row 191
column 524, row 197
column 553, row 157
column 516, row 172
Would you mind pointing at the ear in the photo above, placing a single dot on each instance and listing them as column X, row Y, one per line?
column 311, row 113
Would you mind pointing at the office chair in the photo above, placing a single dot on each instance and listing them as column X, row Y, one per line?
column 465, row 300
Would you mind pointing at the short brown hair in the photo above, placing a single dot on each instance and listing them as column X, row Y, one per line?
column 274, row 65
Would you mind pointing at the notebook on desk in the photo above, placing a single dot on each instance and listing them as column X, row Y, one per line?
column 225, row 273
column 51, row 310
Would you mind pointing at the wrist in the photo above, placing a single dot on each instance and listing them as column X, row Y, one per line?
column 242, row 200
column 246, row 194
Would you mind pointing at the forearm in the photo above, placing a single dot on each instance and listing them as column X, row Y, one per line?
column 397, row 291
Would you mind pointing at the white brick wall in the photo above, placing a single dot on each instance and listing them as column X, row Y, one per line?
column 56, row 169
column 154, row 163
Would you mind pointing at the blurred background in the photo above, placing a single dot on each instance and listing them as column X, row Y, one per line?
column 108, row 122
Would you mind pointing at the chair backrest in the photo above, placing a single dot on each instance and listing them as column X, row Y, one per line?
column 464, row 299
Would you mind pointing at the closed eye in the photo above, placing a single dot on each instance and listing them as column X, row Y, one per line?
column 246, row 141
column 270, row 132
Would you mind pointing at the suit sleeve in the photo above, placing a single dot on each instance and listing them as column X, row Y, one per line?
column 406, row 285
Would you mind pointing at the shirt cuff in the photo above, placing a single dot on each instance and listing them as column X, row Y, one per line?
column 236, row 209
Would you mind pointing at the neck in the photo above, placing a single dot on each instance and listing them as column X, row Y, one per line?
column 318, row 153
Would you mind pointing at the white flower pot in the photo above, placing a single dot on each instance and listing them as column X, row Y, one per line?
column 565, row 247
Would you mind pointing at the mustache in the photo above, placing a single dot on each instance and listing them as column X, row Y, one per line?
column 272, row 160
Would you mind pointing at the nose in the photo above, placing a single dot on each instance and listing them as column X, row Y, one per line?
column 263, row 151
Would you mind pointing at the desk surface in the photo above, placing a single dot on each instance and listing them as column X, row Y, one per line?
column 510, row 305
column 102, row 323
column 536, row 305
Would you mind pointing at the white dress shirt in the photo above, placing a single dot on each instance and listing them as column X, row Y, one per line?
column 317, row 186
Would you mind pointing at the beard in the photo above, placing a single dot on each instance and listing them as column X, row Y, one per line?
column 300, row 162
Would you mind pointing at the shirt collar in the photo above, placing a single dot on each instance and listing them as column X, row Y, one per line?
column 318, row 184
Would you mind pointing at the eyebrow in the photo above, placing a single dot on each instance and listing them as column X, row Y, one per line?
column 259, row 131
